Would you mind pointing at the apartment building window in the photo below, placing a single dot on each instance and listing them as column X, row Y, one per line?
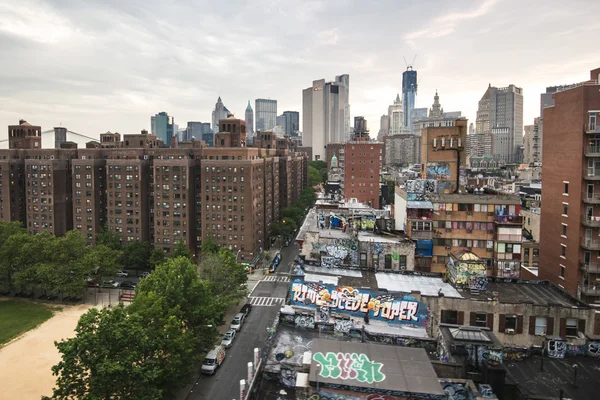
column 363, row 259
column 480, row 320
column 540, row 325
column 402, row 262
column 571, row 327
column 563, row 250
column 562, row 271
column 452, row 317
column 565, row 188
column 565, row 209
column 388, row 261
column 564, row 230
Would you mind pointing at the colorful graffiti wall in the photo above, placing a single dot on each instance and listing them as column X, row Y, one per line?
column 397, row 308
column 470, row 275
column 438, row 171
column 341, row 251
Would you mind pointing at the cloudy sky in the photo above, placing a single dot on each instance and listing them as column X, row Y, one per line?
column 94, row 66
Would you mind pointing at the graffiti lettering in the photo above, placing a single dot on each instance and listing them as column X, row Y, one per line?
column 342, row 325
column 456, row 391
column 288, row 377
column 403, row 309
column 594, row 349
column 556, row 349
column 438, row 171
column 305, row 321
column 349, row 366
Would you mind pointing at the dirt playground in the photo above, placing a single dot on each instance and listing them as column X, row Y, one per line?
column 25, row 363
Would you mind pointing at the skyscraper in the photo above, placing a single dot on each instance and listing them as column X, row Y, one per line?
column 266, row 114
column 220, row 112
column 502, row 108
column 163, row 127
column 249, row 117
column 200, row 131
column 326, row 114
column 292, row 122
column 409, row 91
column 396, row 117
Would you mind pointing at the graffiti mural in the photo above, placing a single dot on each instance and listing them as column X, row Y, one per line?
column 342, row 325
column 478, row 282
column 576, row 350
column 556, row 348
column 420, row 187
column 456, row 391
column 304, row 321
column 398, row 308
column 367, row 223
column 594, row 349
column 344, row 251
column 328, row 262
column 438, row 171
column 472, row 275
column 336, row 222
column 486, row 391
column 325, row 394
column 288, row 377
column 350, row 366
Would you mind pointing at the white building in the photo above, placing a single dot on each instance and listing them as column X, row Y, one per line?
column 326, row 114
column 396, row 117
column 437, row 116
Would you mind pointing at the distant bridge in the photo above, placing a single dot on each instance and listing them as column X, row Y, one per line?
column 69, row 133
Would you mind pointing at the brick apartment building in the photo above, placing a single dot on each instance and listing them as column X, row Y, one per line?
column 148, row 192
column 570, row 217
column 362, row 167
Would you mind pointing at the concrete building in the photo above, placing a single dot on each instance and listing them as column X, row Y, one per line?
column 24, row 136
column 402, row 149
column 502, row 108
column 417, row 114
column 292, row 123
column 443, row 153
column 220, row 112
column 163, row 127
column 570, row 213
column 384, row 127
column 266, row 114
column 396, row 118
column 409, row 93
column 326, row 114
column 249, row 118
column 200, row 131
column 437, row 117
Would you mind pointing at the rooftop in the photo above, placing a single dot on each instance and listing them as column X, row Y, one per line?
column 557, row 374
column 392, row 368
column 468, row 335
column 539, row 293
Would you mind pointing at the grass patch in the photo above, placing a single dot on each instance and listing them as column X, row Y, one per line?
column 17, row 317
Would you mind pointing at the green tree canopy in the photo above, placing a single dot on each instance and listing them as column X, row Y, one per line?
column 181, row 250
column 225, row 277
column 136, row 255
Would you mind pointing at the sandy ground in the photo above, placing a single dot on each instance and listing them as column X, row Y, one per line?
column 25, row 364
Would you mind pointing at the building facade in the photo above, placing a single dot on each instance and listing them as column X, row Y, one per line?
column 200, row 131
column 249, row 118
column 220, row 112
column 437, row 116
column 409, row 93
column 292, row 123
column 402, row 149
column 396, row 118
column 266, row 114
column 570, row 220
column 502, row 108
column 362, row 166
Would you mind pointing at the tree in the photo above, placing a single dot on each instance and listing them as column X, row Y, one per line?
column 137, row 255
column 314, row 176
column 111, row 357
column 210, row 246
column 226, row 278
column 181, row 250
column 318, row 164
column 157, row 257
column 109, row 238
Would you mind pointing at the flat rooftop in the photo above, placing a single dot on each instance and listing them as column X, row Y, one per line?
column 391, row 368
column 539, row 293
column 557, row 374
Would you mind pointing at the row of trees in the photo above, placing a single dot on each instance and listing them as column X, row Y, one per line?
column 292, row 216
column 317, row 172
column 147, row 350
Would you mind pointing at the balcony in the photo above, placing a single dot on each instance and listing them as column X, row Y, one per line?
column 590, row 221
column 592, row 151
column 590, row 268
column 595, row 176
column 591, row 290
column 592, row 128
column 423, row 235
column 590, row 199
column 508, row 238
column 509, row 219
column 590, row 244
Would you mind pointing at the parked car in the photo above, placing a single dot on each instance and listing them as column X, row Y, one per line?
column 228, row 338
column 110, row 284
column 145, row 274
column 92, row 282
column 213, row 360
column 286, row 243
column 238, row 321
column 127, row 285
column 246, row 309
column 122, row 274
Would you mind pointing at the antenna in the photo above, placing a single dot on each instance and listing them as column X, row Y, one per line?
column 414, row 59
column 405, row 62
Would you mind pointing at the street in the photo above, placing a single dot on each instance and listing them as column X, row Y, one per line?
column 266, row 298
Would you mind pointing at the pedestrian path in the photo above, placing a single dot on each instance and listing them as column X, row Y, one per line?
column 266, row 301
column 275, row 278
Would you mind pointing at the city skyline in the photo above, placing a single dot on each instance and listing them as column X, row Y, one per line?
column 115, row 79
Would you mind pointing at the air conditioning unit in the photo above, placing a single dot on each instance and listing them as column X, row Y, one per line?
column 469, row 212
column 469, row 230
column 145, row 157
column 509, row 331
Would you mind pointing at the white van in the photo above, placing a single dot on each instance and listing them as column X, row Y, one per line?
column 213, row 360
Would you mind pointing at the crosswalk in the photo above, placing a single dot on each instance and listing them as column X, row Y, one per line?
column 275, row 278
column 266, row 301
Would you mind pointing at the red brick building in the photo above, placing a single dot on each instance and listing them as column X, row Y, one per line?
column 570, row 217
column 361, row 171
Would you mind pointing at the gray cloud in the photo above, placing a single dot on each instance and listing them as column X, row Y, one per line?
column 109, row 65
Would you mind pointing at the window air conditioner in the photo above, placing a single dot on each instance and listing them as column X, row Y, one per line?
column 509, row 331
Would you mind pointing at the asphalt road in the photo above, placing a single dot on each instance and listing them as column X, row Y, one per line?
column 225, row 383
